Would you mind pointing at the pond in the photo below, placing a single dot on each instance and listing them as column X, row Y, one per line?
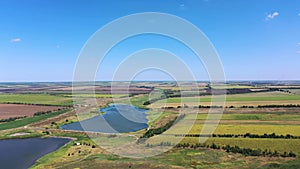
column 23, row 153
column 118, row 118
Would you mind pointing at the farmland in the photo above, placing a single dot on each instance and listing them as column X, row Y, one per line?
column 42, row 99
column 279, row 115
column 237, row 100
column 29, row 120
column 19, row 110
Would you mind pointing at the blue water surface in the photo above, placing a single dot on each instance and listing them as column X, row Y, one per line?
column 118, row 118
column 23, row 153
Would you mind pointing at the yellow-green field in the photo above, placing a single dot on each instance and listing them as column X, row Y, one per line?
column 249, row 116
column 36, row 99
column 248, row 99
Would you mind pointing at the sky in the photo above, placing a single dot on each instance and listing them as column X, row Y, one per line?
column 40, row 40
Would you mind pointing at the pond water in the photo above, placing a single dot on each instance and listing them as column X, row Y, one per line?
column 118, row 118
column 23, row 153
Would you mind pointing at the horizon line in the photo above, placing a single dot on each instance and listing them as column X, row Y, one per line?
column 235, row 80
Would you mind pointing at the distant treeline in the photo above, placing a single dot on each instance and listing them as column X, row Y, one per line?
column 247, row 135
column 168, row 93
column 186, row 106
column 259, row 106
column 275, row 106
column 12, row 119
column 45, row 112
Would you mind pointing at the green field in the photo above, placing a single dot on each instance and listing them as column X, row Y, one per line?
column 232, row 86
column 246, row 116
column 46, row 99
column 265, row 96
column 136, row 101
column 97, row 95
column 247, row 128
column 173, row 159
column 281, row 145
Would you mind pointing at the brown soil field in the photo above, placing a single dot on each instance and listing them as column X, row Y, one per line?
column 19, row 110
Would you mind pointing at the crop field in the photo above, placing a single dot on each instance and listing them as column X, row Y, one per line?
column 136, row 101
column 237, row 100
column 264, row 96
column 232, row 86
column 29, row 120
column 19, row 110
column 97, row 95
column 245, row 116
column 261, row 129
column 227, row 104
column 237, row 120
column 182, row 88
column 254, row 121
column 280, row 145
column 252, row 128
column 46, row 99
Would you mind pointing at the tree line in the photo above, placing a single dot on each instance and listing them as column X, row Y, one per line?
column 12, row 119
column 275, row 106
column 237, row 149
column 159, row 130
column 228, row 148
column 244, row 106
column 44, row 112
column 246, row 135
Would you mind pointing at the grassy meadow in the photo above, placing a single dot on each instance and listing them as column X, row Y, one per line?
column 46, row 99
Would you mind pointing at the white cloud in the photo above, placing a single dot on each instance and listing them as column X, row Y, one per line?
column 15, row 40
column 272, row 15
column 182, row 7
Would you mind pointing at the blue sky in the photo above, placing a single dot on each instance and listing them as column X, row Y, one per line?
column 40, row 40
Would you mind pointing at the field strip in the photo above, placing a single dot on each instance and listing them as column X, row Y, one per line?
column 227, row 103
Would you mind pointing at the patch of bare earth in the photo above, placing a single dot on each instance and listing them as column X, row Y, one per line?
column 19, row 134
column 19, row 110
